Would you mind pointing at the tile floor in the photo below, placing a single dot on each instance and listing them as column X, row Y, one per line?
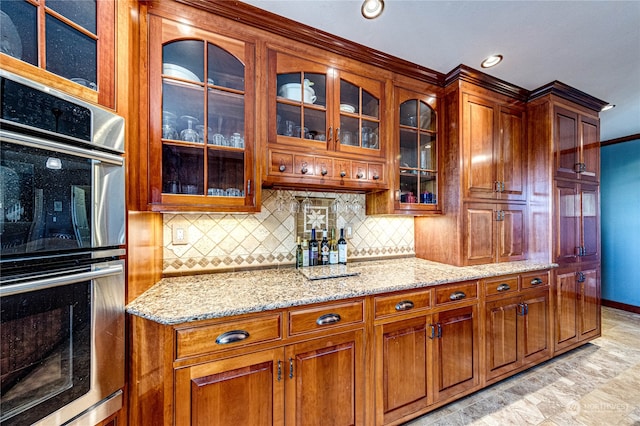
column 596, row 384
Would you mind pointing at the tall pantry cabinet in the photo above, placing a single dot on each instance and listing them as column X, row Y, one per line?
column 564, row 150
column 484, row 167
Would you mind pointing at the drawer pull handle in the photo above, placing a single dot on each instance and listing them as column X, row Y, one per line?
column 232, row 337
column 536, row 281
column 457, row 295
column 327, row 319
column 405, row 305
column 503, row 287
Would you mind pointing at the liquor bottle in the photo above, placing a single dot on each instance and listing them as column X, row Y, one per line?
column 333, row 248
column 324, row 249
column 305, row 253
column 298, row 254
column 342, row 248
column 313, row 249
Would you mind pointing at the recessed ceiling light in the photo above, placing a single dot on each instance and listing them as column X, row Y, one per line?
column 608, row 107
column 372, row 8
column 491, row 61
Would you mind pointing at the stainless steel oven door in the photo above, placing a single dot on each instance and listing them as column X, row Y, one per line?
column 57, row 198
column 62, row 345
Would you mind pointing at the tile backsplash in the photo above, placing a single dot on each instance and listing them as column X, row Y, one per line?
column 220, row 242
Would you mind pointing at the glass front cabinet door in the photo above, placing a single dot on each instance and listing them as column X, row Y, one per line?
column 417, row 174
column 318, row 107
column 325, row 126
column 201, row 115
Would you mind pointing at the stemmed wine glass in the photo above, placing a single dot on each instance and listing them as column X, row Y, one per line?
column 306, row 204
column 280, row 201
column 169, row 125
column 294, row 206
column 189, row 134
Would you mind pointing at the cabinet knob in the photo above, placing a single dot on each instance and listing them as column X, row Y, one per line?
column 304, row 169
column 405, row 305
column 359, row 175
column 457, row 295
column 376, row 176
column 282, row 167
column 324, row 171
column 343, row 173
column 232, row 337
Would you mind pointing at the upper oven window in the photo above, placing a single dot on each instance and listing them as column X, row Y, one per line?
column 45, row 201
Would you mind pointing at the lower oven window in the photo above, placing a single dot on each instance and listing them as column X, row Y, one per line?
column 46, row 351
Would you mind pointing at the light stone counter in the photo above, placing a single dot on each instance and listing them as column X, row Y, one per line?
column 198, row 297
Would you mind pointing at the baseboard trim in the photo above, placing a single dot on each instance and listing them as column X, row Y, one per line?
column 621, row 306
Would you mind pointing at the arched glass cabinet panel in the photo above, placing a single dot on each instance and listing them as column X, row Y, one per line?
column 418, row 152
column 206, row 154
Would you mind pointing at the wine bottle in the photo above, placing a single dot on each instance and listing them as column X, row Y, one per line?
column 342, row 248
column 333, row 248
column 298, row 254
column 324, row 249
column 313, row 249
column 305, row 253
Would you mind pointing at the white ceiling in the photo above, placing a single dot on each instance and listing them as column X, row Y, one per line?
column 593, row 46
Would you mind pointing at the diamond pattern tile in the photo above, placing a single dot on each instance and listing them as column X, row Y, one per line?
column 267, row 238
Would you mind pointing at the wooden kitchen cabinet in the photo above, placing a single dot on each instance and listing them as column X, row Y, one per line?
column 517, row 323
column 246, row 390
column 325, row 382
column 455, row 354
column 74, row 51
column 577, row 222
column 494, row 233
column 577, row 145
column 250, row 369
column 414, row 154
column 200, row 117
column 324, row 115
column 483, row 164
column 494, row 149
column 577, row 305
column 425, row 354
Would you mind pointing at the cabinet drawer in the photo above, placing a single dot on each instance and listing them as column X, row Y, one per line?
column 402, row 303
column 324, row 317
column 501, row 285
column 535, row 279
column 456, row 293
column 216, row 337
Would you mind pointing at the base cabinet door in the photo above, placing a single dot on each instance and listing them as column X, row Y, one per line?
column 535, row 341
column 589, row 283
column 324, row 384
column 503, row 329
column 455, row 353
column 402, row 374
column 244, row 390
column 577, row 305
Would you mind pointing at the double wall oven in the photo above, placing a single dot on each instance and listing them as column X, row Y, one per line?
column 62, row 238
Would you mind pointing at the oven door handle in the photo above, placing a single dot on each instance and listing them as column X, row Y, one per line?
column 34, row 142
column 44, row 283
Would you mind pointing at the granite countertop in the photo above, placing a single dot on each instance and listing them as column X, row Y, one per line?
column 198, row 297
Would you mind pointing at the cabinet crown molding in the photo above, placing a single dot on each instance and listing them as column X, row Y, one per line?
column 569, row 93
column 478, row 78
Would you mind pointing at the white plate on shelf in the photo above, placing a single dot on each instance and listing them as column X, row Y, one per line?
column 347, row 108
column 177, row 71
